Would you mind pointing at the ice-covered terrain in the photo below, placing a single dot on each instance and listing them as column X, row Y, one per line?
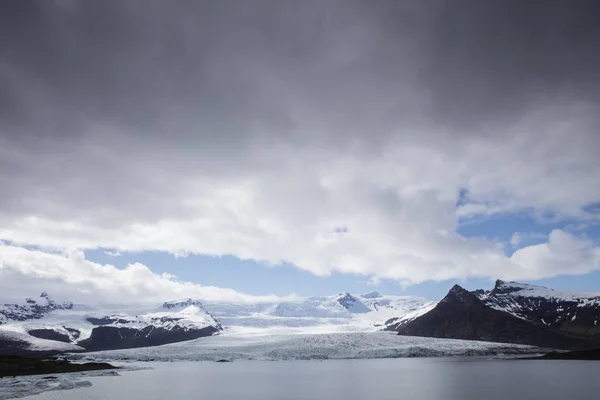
column 84, row 318
column 24, row 386
column 287, row 345
column 17, row 334
column 348, row 312
column 44, row 325
column 71, row 327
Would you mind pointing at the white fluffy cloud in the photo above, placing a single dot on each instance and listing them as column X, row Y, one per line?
column 69, row 276
column 284, row 204
column 562, row 254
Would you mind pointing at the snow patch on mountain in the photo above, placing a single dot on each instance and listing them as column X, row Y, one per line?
column 516, row 289
column 518, row 298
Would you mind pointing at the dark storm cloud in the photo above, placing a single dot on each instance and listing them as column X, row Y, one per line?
column 90, row 86
column 496, row 58
column 159, row 66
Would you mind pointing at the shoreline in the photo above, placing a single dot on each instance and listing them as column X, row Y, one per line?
column 583, row 355
column 13, row 366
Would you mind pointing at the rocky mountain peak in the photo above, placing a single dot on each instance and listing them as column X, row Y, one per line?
column 182, row 304
column 459, row 294
column 31, row 309
column 503, row 287
column 351, row 303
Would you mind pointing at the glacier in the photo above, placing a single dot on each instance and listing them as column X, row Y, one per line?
column 290, row 344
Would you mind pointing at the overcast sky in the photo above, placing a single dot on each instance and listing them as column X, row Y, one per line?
column 335, row 136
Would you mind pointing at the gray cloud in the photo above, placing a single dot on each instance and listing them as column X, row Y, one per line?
column 338, row 66
column 225, row 124
column 497, row 60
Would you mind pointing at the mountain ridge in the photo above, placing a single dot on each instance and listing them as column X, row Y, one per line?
column 510, row 312
column 462, row 314
column 32, row 309
column 116, row 326
column 575, row 312
column 55, row 326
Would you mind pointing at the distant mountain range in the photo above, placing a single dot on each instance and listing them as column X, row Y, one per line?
column 511, row 313
column 345, row 311
column 42, row 325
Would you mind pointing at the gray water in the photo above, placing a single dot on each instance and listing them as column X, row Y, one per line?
column 414, row 378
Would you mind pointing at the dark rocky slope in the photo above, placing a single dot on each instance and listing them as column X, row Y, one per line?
column 117, row 337
column 573, row 312
column 462, row 315
column 49, row 334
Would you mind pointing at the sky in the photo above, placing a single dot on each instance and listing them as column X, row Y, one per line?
column 252, row 151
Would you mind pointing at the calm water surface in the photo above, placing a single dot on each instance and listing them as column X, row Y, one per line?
column 414, row 378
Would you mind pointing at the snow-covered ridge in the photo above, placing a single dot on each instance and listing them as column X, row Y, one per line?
column 355, row 312
column 575, row 312
column 370, row 311
column 351, row 303
column 190, row 317
column 181, row 303
column 515, row 297
column 31, row 309
column 526, row 290
column 47, row 325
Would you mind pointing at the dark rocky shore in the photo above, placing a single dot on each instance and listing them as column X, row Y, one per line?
column 569, row 355
column 18, row 366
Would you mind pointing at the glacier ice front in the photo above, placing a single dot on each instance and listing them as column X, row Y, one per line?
column 274, row 346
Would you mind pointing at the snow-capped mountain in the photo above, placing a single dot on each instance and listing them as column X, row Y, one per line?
column 570, row 311
column 352, row 304
column 462, row 315
column 67, row 327
column 513, row 313
column 345, row 311
column 32, row 309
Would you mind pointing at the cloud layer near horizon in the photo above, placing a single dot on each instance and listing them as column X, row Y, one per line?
column 70, row 276
column 257, row 129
